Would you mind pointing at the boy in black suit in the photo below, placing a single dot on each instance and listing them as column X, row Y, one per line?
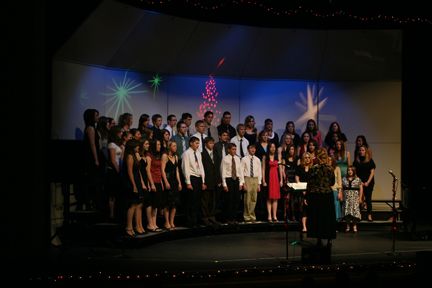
column 213, row 180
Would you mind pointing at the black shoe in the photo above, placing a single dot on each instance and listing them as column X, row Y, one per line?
column 139, row 233
column 214, row 221
column 206, row 222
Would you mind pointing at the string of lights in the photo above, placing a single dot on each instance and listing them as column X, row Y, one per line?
column 222, row 273
column 284, row 10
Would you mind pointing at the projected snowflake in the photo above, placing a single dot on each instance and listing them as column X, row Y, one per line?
column 121, row 95
column 310, row 106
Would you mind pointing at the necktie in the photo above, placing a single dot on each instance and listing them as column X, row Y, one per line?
column 208, row 132
column 202, row 142
column 196, row 158
column 183, row 143
column 251, row 167
column 241, row 148
column 233, row 169
column 223, row 149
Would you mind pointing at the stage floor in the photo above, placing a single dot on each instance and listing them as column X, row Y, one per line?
column 243, row 255
column 233, row 251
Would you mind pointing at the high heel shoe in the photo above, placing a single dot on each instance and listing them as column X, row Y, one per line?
column 130, row 233
column 347, row 229
column 139, row 231
column 355, row 229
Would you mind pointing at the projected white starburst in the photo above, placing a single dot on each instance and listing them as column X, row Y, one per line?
column 310, row 105
column 120, row 95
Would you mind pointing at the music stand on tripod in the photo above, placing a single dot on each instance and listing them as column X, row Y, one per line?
column 297, row 188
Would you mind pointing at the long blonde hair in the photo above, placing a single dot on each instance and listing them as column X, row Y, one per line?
column 322, row 156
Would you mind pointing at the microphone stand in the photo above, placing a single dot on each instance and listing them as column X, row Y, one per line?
column 394, row 217
column 286, row 226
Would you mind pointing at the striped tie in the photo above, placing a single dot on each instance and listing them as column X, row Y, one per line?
column 251, row 167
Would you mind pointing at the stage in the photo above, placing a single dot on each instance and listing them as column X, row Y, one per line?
column 246, row 252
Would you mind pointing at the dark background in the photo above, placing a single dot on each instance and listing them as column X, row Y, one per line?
column 36, row 29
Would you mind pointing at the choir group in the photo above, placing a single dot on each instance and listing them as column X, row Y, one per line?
column 220, row 174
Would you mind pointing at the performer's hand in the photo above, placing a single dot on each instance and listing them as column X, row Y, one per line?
column 189, row 186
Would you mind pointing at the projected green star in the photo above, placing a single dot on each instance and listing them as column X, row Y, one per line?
column 120, row 95
column 155, row 83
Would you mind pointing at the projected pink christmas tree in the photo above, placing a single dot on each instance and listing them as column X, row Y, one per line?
column 210, row 101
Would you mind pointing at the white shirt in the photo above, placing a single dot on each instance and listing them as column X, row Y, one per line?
column 171, row 130
column 244, row 143
column 226, row 169
column 118, row 152
column 191, row 167
column 246, row 165
column 198, row 135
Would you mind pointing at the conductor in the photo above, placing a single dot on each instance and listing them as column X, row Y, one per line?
column 319, row 199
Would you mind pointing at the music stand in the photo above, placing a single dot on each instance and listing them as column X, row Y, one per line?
column 298, row 187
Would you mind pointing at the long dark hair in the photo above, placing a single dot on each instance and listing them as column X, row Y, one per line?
column 89, row 117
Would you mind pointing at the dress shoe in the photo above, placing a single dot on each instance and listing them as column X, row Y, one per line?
column 215, row 222
column 206, row 222
column 139, row 231
column 130, row 233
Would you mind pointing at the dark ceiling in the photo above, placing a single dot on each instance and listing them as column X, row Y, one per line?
column 123, row 36
column 297, row 13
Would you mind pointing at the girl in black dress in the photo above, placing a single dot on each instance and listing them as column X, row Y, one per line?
column 365, row 167
column 171, row 178
column 133, row 182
